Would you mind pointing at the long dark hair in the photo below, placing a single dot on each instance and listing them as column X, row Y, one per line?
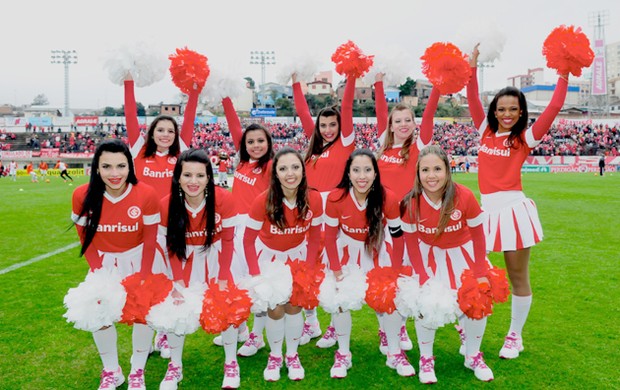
column 317, row 146
column 178, row 216
column 375, row 200
column 151, row 146
column 388, row 142
column 275, row 195
column 447, row 199
column 244, row 156
column 520, row 126
column 91, row 208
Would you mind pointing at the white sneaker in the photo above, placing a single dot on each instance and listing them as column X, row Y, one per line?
column 481, row 370
column 272, row 372
column 174, row 375
column 296, row 371
column 383, row 346
column 243, row 335
column 427, row 370
column 136, row 380
column 311, row 331
column 232, row 379
column 401, row 364
column 329, row 338
column 462, row 337
column 405, row 341
column 342, row 363
column 111, row 379
column 161, row 345
column 513, row 345
column 217, row 340
column 251, row 345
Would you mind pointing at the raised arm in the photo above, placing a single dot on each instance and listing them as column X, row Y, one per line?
column 187, row 130
column 131, row 112
column 234, row 124
column 381, row 107
column 544, row 122
column 428, row 123
column 301, row 106
column 473, row 100
column 346, row 113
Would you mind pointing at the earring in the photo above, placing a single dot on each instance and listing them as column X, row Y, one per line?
column 180, row 193
column 206, row 193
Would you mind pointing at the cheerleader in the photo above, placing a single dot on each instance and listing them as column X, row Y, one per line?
column 354, row 224
column 284, row 222
column 116, row 218
column 444, row 235
column 512, row 224
column 155, row 155
column 198, row 223
column 252, row 175
column 398, row 154
column 332, row 140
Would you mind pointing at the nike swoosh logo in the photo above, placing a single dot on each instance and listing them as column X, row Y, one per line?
column 346, row 216
column 149, row 161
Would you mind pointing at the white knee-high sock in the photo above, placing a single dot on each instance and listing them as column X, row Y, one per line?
column 342, row 324
column 520, row 310
column 391, row 327
column 380, row 320
column 106, row 342
column 260, row 319
column 229, row 339
column 474, row 329
column 426, row 339
column 293, row 328
column 141, row 338
column 311, row 317
column 275, row 335
column 176, row 348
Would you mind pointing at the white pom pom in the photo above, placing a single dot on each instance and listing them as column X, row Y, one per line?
column 407, row 295
column 146, row 65
column 96, row 302
column 437, row 305
column 395, row 63
column 222, row 83
column 490, row 37
column 179, row 318
column 272, row 287
column 348, row 294
column 305, row 67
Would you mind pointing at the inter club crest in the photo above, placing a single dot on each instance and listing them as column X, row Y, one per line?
column 134, row 212
column 456, row 215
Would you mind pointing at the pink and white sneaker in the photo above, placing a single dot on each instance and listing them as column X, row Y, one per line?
column 251, row 345
column 405, row 341
column 311, row 331
column 401, row 364
column 329, row 338
column 232, row 378
column 383, row 345
column 173, row 376
column 480, row 368
column 111, row 379
column 272, row 372
column 342, row 363
column 161, row 345
column 296, row 371
column 513, row 345
column 136, row 380
column 427, row 370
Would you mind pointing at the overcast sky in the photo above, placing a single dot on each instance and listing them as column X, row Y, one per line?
column 226, row 31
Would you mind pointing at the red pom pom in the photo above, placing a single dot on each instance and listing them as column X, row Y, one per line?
column 188, row 67
column 350, row 61
column 567, row 50
column 500, row 289
column 306, row 284
column 142, row 295
column 223, row 308
column 474, row 298
column 446, row 67
column 382, row 286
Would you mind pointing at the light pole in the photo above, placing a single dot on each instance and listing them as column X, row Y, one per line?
column 481, row 66
column 262, row 58
column 65, row 57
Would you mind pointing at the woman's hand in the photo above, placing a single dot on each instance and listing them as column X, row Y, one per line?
column 379, row 77
column 177, row 297
column 294, row 77
column 339, row 276
column 473, row 59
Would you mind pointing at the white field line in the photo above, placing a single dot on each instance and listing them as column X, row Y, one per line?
column 38, row 258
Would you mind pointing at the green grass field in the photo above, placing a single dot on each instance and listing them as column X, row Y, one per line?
column 572, row 338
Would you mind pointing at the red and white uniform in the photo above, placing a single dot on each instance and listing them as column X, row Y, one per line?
column 158, row 169
column 396, row 174
column 346, row 229
column 513, row 221
column 299, row 240
column 127, row 230
column 200, row 266
column 460, row 246
column 324, row 172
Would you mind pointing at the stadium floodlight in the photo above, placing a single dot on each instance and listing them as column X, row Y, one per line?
column 65, row 57
column 262, row 58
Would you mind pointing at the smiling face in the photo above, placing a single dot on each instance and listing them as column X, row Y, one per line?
column 328, row 127
column 164, row 135
column 256, row 144
column 402, row 125
column 362, row 174
column 433, row 176
column 113, row 168
column 193, row 181
column 289, row 170
column 507, row 112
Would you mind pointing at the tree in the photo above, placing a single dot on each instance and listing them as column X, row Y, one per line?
column 284, row 107
column 141, row 109
column 40, row 100
column 109, row 111
column 407, row 88
column 250, row 82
